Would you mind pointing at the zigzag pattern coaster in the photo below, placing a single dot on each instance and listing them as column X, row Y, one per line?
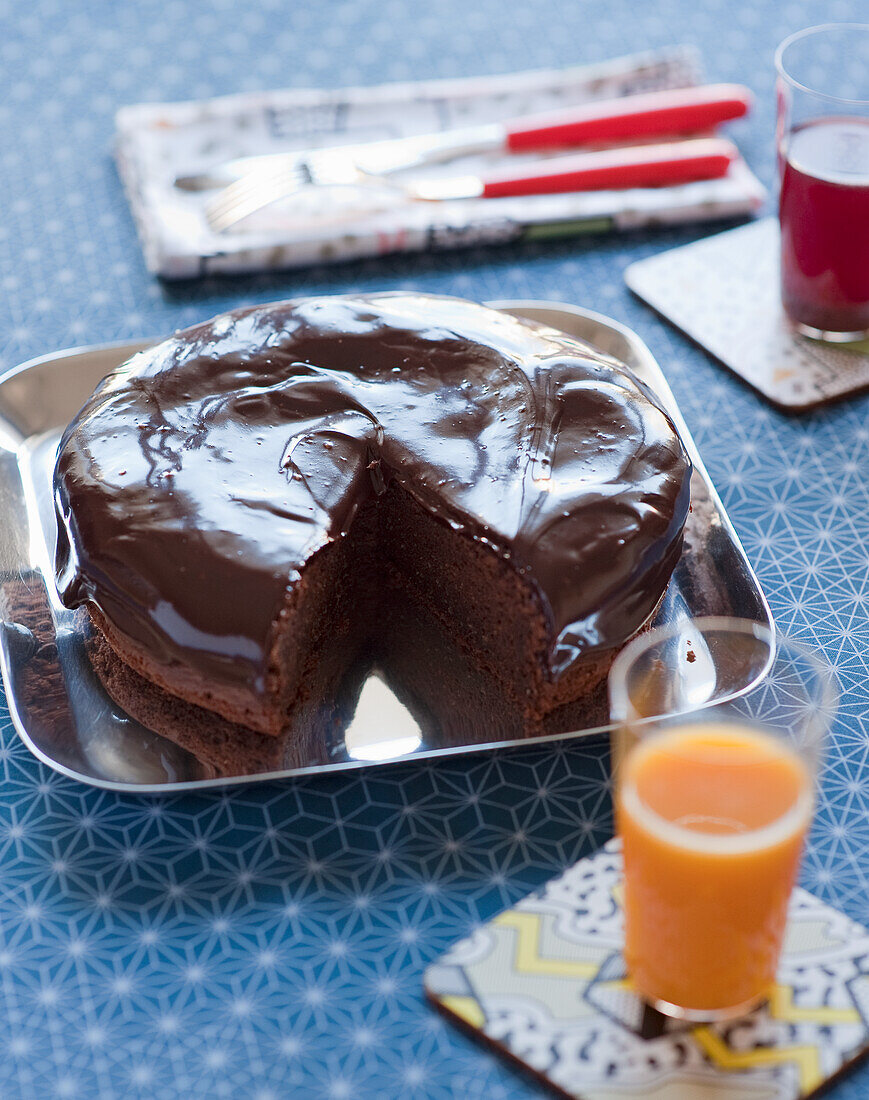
column 546, row 984
column 723, row 292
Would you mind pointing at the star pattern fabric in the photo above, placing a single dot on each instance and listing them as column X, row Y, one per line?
column 269, row 941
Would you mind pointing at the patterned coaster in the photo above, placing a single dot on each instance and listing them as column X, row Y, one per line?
column 545, row 983
column 723, row 292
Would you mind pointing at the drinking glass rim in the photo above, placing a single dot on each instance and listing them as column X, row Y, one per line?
column 823, row 701
column 827, row 702
column 805, row 33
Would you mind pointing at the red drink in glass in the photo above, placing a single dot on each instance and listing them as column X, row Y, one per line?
column 823, row 154
column 824, row 214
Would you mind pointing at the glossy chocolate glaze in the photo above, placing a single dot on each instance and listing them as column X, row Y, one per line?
column 202, row 474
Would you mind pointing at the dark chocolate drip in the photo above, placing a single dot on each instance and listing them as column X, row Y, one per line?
column 203, row 473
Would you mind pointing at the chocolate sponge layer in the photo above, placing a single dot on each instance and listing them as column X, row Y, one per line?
column 458, row 635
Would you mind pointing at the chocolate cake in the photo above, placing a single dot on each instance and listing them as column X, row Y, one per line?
column 260, row 509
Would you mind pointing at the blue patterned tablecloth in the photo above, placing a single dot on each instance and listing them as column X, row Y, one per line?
column 270, row 942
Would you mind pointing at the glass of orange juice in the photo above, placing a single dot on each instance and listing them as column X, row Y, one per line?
column 720, row 725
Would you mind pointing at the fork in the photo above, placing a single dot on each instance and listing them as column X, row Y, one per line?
column 641, row 116
column 618, row 168
column 259, row 189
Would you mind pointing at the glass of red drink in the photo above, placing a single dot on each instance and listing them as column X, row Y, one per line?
column 822, row 139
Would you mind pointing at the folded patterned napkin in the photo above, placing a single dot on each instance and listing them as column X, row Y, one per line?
column 158, row 142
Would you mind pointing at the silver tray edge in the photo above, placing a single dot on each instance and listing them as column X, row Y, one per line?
column 634, row 351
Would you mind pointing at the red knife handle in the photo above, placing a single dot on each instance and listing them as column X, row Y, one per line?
column 684, row 110
column 637, row 166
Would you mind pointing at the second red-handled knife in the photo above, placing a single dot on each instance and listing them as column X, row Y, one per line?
column 679, row 111
column 627, row 119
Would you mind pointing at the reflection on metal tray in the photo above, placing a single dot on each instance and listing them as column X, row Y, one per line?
column 59, row 706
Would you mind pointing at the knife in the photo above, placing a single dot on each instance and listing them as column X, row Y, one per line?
column 651, row 114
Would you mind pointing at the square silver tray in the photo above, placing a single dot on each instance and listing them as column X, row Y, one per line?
column 59, row 706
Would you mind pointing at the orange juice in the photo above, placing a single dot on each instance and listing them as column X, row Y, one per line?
column 712, row 819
